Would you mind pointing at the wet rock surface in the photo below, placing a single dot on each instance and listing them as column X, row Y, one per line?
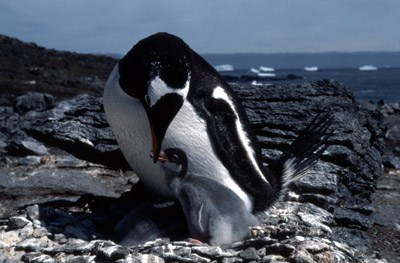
column 64, row 183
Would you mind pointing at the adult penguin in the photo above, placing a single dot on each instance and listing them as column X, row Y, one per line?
column 162, row 94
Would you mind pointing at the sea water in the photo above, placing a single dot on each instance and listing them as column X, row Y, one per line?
column 382, row 84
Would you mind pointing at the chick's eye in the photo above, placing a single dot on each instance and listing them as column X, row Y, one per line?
column 147, row 100
column 174, row 158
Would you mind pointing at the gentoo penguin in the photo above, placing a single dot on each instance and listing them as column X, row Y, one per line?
column 163, row 95
column 214, row 213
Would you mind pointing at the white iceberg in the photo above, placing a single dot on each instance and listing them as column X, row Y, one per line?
column 265, row 75
column 367, row 68
column 255, row 83
column 253, row 70
column 225, row 67
column 311, row 68
column 266, row 69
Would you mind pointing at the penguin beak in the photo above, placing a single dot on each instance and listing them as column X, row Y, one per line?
column 160, row 117
column 155, row 143
column 161, row 157
column 157, row 136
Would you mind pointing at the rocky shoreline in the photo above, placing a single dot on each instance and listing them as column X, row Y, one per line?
column 64, row 183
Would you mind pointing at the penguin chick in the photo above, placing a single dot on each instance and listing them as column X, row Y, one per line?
column 214, row 213
column 149, row 221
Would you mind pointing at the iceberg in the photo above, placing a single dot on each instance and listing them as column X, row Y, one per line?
column 311, row 68
column 255, row 83
column 225, row 67
column 253, row 70
column 266, row 75
column 367, row 68
column 266, row 69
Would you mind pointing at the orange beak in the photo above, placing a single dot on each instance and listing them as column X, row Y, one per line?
column 161, row 157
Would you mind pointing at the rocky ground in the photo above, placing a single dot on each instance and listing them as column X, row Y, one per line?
column 64, row 183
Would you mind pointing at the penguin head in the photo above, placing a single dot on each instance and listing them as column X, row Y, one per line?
column 174, row 162
column 156, row 71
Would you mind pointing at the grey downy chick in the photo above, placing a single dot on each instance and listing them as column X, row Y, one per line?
column 214, row 213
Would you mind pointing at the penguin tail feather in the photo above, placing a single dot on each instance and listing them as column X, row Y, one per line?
column 304, row 152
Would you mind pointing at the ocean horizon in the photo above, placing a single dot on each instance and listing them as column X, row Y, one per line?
column 344, row 67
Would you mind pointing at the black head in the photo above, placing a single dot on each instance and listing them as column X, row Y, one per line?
column 157, row 72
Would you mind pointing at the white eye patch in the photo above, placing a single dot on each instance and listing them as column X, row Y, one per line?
column 158, row 88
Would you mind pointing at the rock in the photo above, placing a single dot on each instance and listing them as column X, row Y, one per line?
column 33, row 101
column 19, row 221
column 26, row 147
column 30, row 160
column 249, row 254
column 301, row 256
column 213, row 252
column 145, row 259
column 391, row 161
column 393, row 134
column 352, row 219
column 33, row 212
column 111, row 252
column 29, row 245
column 232, row 260
column 41, row 232
column 282, row 249
column 273, row 259
column 34, row 147
column 324, row 257
column 29, row 257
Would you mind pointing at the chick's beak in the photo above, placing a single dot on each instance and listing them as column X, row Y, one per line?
column 161, row 157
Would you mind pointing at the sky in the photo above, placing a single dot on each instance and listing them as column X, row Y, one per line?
column 208, row 26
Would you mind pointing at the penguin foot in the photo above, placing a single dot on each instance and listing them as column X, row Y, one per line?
column 195, row 241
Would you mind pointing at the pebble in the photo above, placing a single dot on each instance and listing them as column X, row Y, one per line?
column 273, row 259
column 232, row 260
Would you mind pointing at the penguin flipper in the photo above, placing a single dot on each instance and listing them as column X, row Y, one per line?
column 304, row 152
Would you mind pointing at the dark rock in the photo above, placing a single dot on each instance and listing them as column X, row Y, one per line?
column 26, row 147
column 355, row 238
column 79, row 126
column 352, row 219
column 319, row 200
column 18, row 221
column 29, row 257
column 301, row 257
column 33, row 101
column 391, row 161
column 393, row 134
column 110, row 251
column 281, row 249
column 29, row 245
column 249, row 254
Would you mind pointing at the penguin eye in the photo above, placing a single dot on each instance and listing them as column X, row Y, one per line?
column 147, row 100
column 174, row 158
